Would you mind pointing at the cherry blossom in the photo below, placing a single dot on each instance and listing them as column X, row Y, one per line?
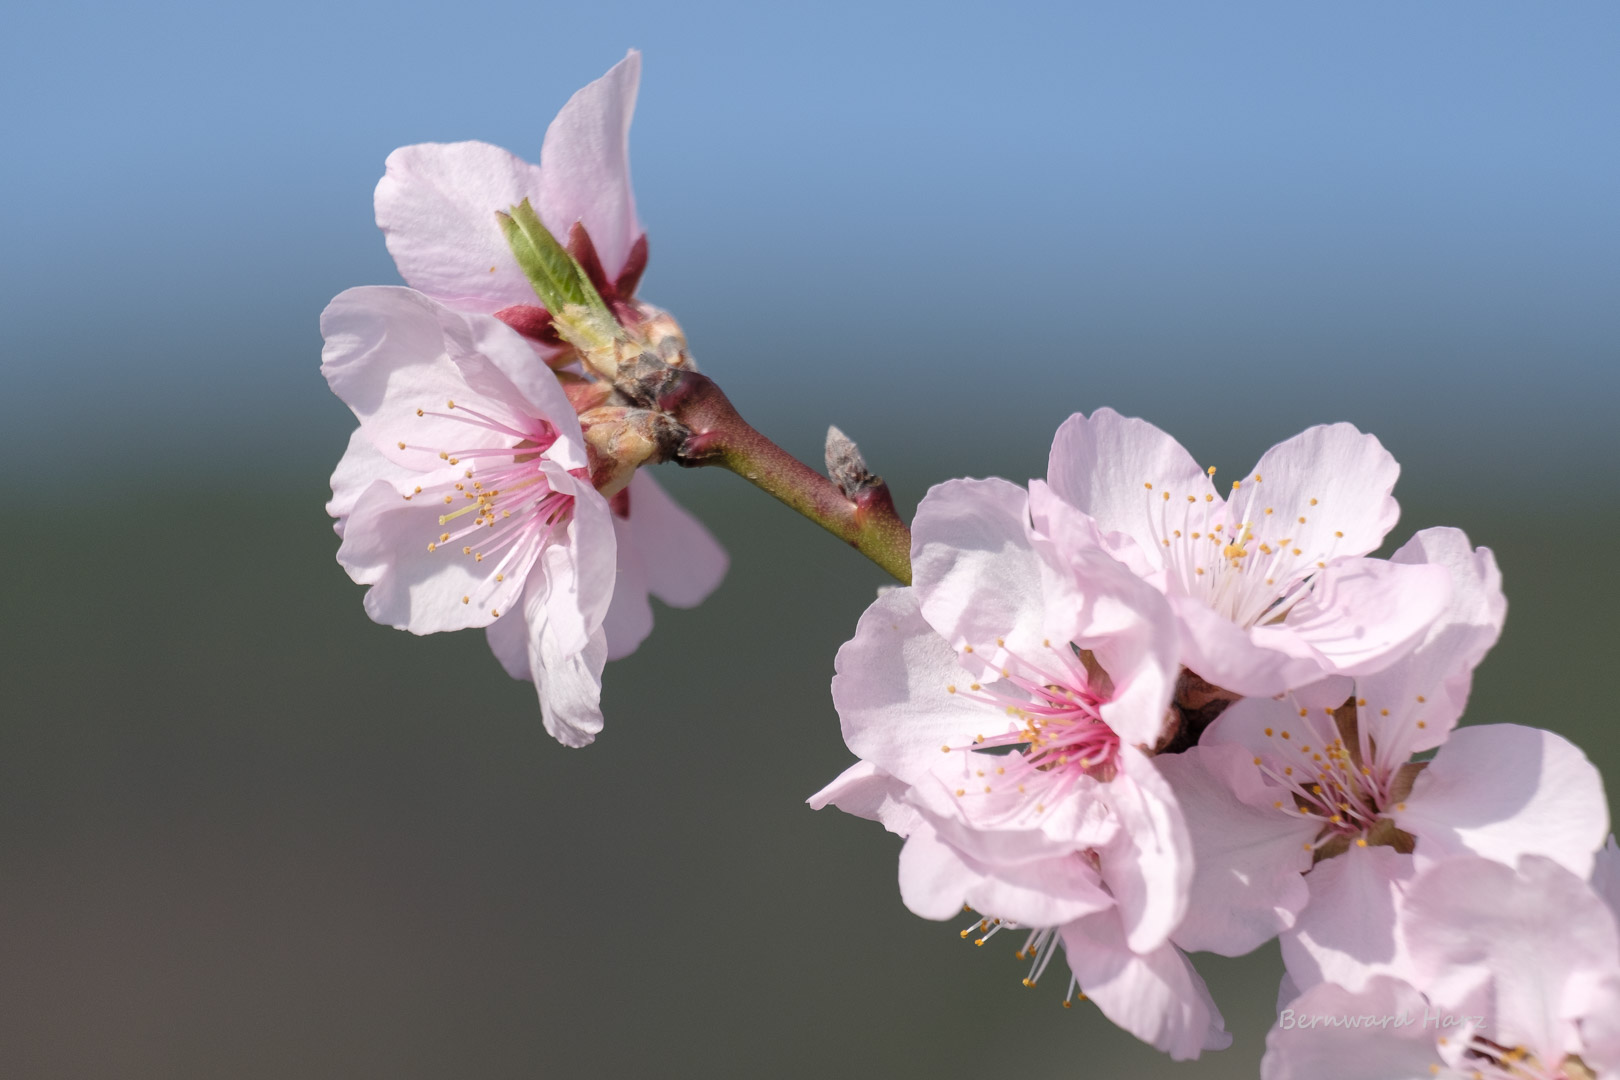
column 463, row 500
column 1515, row 976
column 1270, row 585
column 436, row 205
column 1353, row 813
column 1005, row 708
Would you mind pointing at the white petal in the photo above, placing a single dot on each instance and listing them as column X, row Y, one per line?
column 868, row 792
column 1327, row 480
column 684, row 563
column 629, row 617
column 891, row 691
column 362, row 465
column 436, row 206
column 585, row 165
column 1502, row 791
column 1431, row 683
column 1150, row 865
column 1513, row 941
column 1361, row 615
column 1347, row 932
column 1156, row 996
column 1248, row 854
column 385, row 545
column 1103, row 465
column 976, row 575
column 936, row 881
column 1307, row 1045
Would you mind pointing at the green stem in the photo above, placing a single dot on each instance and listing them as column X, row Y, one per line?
column 720, row 436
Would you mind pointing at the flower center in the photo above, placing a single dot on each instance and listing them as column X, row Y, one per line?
column 1250, row 567
column 1055, row 734
column 1348, row 786
column 502, row 503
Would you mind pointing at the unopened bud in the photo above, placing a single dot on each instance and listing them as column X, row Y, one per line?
column 619, row 440
column 663, row 336
column 847, row 467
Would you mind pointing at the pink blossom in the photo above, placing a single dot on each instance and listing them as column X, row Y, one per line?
column 463, row 500
column 1350, row 811
column 1270, row 584
column 1515, row 975
column 1005, row 708
column 436, row 205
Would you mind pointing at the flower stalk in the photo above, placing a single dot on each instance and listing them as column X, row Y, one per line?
column 861, row 514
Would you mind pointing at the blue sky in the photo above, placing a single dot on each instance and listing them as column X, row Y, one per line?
column 1235, row 218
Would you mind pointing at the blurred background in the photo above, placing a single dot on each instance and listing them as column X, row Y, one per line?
column 246, row 832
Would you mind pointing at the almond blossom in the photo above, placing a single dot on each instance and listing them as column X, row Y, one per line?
column 1005, row 708
column 463, row 499
column 1325, row 787
column 437, row 204
column 1515, row 976
column 1270, row 585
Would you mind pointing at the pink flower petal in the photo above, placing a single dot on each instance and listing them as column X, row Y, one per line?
column 1347, row 932
column 868, row 792
column 1502, row 791
column 1307, row 1045
column 1431, row 684
column 1102, row 466
column 1526, row 946
column 1156, row 996
column 1248, row 854
column 892, row 690
column 1149, row 866
column 1332, row 484
column 683, row 562
column 436, row 206
column 585, row 165
column 936, row 881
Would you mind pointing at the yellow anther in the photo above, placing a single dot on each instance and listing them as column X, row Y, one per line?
column 967, row 648
column 1285, row 735
column 1192, row 498
column 1209, row 498
column 1313, row 502
column 1421, row 699
column 500, row 577
column 1211, row 470
column 1148, row 486
column 402, row 446
column 450, row 404
column 1001, row 641
column 974, row 686
column 949, row 689
column 1302, row 519
column 1361, row 841
column 443, row 537
column 961, row 791
column 1340, row 535
column 467, row 549
column 1303, row 712
column 465, row 599
column 433, row 547
column 1383, row 712
column 495, row 613
column 443, row 456
column 1268, row 733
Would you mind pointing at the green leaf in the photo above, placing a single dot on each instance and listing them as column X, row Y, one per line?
column 577, row 309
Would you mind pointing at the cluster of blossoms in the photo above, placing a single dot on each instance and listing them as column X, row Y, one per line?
column 1117, row 712
column 1132, row 719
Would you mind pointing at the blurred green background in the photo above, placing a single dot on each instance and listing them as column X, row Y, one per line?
column 246, row 832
